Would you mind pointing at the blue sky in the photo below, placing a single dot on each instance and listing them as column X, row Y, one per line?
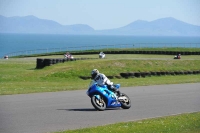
column 103, row 14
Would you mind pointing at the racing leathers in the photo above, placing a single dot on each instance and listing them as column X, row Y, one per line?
column 101, row 80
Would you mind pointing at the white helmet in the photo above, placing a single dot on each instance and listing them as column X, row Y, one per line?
column 94, row 73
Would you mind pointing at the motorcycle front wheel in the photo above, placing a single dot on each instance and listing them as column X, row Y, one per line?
column 126, row 102
column 98, row 103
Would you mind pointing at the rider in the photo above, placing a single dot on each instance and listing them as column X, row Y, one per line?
column 101, row 80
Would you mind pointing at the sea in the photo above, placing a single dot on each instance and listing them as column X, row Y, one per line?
column 18, row 44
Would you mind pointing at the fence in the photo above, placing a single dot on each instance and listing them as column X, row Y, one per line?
column 119, row 46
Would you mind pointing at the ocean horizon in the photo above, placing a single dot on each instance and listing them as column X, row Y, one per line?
column 13, row 43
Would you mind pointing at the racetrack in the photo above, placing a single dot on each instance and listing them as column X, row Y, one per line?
column 49, row 112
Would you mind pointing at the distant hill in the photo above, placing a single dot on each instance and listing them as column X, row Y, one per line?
column 160, row 27
column 32, row 24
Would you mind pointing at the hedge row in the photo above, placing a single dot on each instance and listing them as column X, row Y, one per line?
column 147, row 74
column 143, row 52
column 41, row 63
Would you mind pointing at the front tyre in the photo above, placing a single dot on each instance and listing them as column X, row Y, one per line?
column 98, row 103
column 125, row 101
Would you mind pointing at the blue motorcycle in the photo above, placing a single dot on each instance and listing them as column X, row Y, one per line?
column 102, row 98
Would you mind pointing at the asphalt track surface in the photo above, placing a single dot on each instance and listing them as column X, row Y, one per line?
column 56, row 111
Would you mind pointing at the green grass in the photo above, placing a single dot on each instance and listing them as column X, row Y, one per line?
column 19, row 75
column 128, row 56
column 179, row 49
column 184, row 123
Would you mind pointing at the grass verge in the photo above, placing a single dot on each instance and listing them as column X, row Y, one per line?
column 176, row 49
column 19, row 76
column 183, row 123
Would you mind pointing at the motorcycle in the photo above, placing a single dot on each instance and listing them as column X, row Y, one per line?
column 68, row 56
column 101, row 55
column 102, row 97
column 177, row 56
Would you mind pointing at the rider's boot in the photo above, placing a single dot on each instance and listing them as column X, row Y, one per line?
column 118, row 93
column 115, row 90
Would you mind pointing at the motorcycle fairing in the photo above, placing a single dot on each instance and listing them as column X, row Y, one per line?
column 109, row 96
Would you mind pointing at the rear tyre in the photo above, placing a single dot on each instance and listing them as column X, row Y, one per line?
column 126, row 102
column 99, row 104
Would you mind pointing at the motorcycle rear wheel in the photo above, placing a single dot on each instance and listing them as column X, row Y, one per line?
column 125, row 104
column 99, row 104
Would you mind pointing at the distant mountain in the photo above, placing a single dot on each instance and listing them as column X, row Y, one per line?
column 32, row 24
column 160, row 27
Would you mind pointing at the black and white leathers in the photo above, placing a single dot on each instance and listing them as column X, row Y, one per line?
column 101, row 80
